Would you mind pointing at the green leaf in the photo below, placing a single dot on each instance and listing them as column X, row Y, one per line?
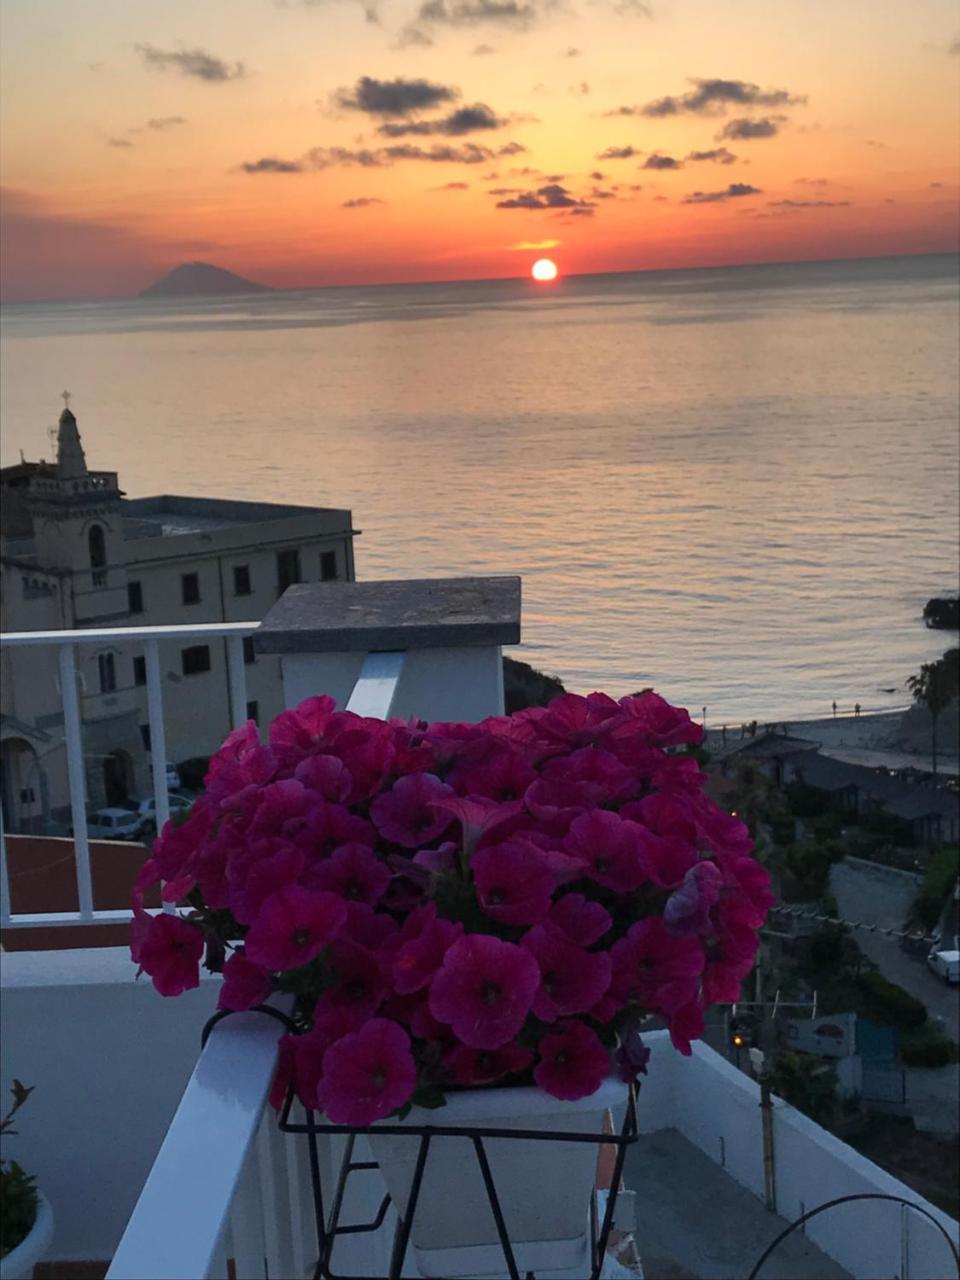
column 429, row 1096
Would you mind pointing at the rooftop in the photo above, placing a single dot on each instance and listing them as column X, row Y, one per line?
column 170, row 515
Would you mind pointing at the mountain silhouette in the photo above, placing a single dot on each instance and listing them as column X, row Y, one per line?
column 199, row 278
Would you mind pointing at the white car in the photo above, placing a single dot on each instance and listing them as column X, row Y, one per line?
column 114, row 824
column 946, row 965
column 148, row 808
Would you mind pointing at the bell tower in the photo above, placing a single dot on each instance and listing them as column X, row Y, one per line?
column 77, row 526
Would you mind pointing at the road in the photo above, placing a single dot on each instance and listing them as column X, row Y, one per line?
column 881, row 896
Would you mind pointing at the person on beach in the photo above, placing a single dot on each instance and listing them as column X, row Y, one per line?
column 723, row 734
column 856, row 710
column 834, row 708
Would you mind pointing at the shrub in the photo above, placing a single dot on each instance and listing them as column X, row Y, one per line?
column 18, row 1193
column 886, row 1003
column 927, row 1048
column 937, row 882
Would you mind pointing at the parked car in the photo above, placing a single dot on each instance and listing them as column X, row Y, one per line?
column 114, row 824
column 945, row 964
column 148, row 808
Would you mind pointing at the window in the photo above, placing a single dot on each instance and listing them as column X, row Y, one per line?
column 135, row 597
column 97, row 546
column 328, row 565
column 248, row 653
column 108, row 672
column 145, row 736
column 241, row 580
column 190, row 588
column 139, row 671
column 253, row 712
column 195, row 659
column 288, row 569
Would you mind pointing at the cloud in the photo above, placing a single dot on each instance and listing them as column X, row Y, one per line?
column 452, row 186
column 661, row 162
column 473, row 13
column 361, row 202
column 119, row 142
column 582, row 88
column 160, row 123
column 808, row 204
column 551, row 196
column 596, row 175
column 719, row 155
column 632, row 9
column 328, row 157
column 512, row 149
column 599, row 194
column 734, row 190
column 532, row 246
column 954, row 47
column 272, row 164
column 191, row 62
column 812, row 182
column 713, row 97
column 393, row 98
column 463, row 120
column 742, row 129
column 581, row 211
column 483, row 50
column 571, row 53
column 618, row 153
column 469, row 153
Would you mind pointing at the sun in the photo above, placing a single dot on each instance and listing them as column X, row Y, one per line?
column 543, row 270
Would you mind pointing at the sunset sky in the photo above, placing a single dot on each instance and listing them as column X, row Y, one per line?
column 322, row 142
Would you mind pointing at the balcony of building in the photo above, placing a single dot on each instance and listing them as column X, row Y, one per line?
column 165, row 1161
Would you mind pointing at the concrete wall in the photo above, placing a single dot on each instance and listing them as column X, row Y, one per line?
column 109, row 1059
column 718, row 1108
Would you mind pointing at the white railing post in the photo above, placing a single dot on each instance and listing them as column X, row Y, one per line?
column 376, row 686
column 77, row 777
column 158, row 733
column 237, row 676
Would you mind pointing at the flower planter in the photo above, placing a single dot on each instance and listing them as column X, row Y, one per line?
column 19, row 1263
column 544, row 1188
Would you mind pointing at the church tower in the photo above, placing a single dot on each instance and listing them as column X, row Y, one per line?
column 77, row 527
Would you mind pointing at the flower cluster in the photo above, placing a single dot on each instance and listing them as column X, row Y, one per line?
column 457, row 905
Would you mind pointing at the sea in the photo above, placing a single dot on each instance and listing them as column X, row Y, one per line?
column 738, row 486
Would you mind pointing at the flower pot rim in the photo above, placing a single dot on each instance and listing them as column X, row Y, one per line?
column 21, row 1260
column 526, row 1100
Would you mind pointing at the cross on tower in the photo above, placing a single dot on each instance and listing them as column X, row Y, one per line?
column 65, row 397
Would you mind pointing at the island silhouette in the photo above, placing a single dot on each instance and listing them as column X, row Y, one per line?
column 199, row 278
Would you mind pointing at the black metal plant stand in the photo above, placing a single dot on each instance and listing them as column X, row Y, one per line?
column 329, row 1230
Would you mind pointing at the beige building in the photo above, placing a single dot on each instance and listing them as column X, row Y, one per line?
column 75, row 553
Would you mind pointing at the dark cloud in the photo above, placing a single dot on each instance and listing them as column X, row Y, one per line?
column 742, row 129
column 812, row 182
column 483, row 50
column 954, row 47
column 361, row 202
column 632, row 9
column 190, row 62
column 328, row 157
column 551, row 196
column 596, row 175
column 271, row 164
column 872, row 142
column 119, row 142
column 394, row 98
column 469, row 153
column 571, row 53
column 512, row 149
column 661, row 162
column 716, row 197
column 474, row 13
column 463, row 120
column 582, row 88
column 504, row 191
column 599, row 194
column 618, row 153
column 936, row 185
column 719, row 155
column 452, row 186
column 581, row 211
column 412, row 37
column 808, row 204
column 160, row 123
column 713, row 97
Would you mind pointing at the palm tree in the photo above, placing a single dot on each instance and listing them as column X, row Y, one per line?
column 935, row 686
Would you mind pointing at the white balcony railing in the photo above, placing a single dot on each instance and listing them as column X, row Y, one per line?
column 65, row 644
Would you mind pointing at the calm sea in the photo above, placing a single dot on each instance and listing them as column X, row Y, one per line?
column 738, row 486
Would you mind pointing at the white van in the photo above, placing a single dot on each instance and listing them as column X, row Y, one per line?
column 945, row 964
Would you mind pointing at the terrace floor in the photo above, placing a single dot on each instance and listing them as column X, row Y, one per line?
column 695, row 1223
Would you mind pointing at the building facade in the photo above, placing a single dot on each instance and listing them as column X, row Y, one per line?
column 76, row 553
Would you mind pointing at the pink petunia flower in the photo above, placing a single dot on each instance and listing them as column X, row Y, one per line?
column 406, row 814
column 513, row 882
column 612, row 849
column 264, row 867
column 293, row 926
column 324, row 827
column 686, row 1024
column 573, row 1062
column 420, row 949
column 484, row 990
column 657, row 970
column 300, row 731
column 480, row 819
column 592, row 777
column 572, row 979
column 494, row 770
column 366, row 927
column 304, row 1065
column 367, row 1074
column 353, row 872
column 326, row 775
column 664, row 725
column 687, row 910
column 582, row 921
column 170, row 953
column 358, row 980
column 473, row 1067
column 244, row 985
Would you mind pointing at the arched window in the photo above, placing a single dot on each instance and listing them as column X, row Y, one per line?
column 98, row 554
column 108, row 672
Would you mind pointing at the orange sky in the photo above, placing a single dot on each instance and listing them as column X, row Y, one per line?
column 315, row 142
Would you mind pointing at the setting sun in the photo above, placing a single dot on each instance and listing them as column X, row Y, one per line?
column 544, row 269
